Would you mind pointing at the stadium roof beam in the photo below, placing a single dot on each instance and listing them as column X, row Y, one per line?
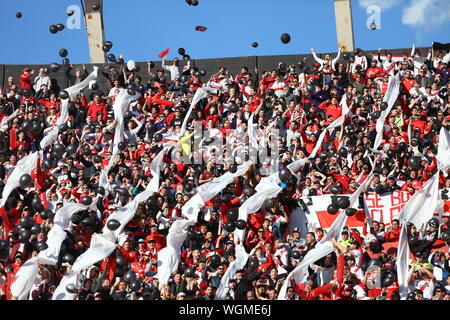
column 94, row 26
column 344, row 24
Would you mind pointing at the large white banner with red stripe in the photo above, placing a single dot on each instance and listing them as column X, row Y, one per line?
column 384, row 208
column 318, row 207
column 381, row 208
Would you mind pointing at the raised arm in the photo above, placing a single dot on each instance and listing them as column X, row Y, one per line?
column 316, row 57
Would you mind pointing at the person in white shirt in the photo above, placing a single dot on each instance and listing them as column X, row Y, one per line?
column 41, row 79
column 360, row 60
column 175, row 69
column 278, row 86
column 327, row 58
column 422, row 279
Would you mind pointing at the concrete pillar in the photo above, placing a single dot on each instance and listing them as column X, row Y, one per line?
column 94, row 25
column 344, row 24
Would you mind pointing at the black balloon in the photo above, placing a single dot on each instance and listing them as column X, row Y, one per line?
column 25, row 181
column 255, row 44
column 26, row 125
column 234, row 108
column 76, row 219
column 113, row 224
column 232, row 168
column 375, row 247
column 445, row 235
column 388, row 279
column 63, row 94
column 414, row 142
column 120, row 61
column 414, row 163
column 285, row 38
column 101, row 191
column 158, row 137
column 188, row 187
column 26, row 222
column 181, row 51
column 96, row 158
column 284, row 174
column 295, row 254
column 120, row 261
column 53, row 28
column 253, row 264
column 374, row 262
column 105, row 48
column 383, row 106
column 65, row 62
column 98, row 147
column 241, row 224
column 379, row 189
column 58, row 148
column 108, row 44
column 248, row 191
column 36, row 203
column 24, row 235
column 70, row 13
column 86, row 200
column 189, row 272
column 54, row 67
column 350, row 212
column 71, row 149
column 376, row 114
column 135, row 285
column 70, row 288
column 63, row 53
column 312, row 192
column 18, row 15
column 215, row 260
column 390, row 153
column 95, row 6
column 60, row 27
column 343, row 152
column 35, row 229
column 68, row 258
column 225, row 197
column 332, row 208
column 233, row 214
column 335, row 190
column 343, row 202
column 131, row 92
column 41, row 245
column 230, row 226
column 46, row 213
column 122, row 145
column 86, row 151
column 111, row 57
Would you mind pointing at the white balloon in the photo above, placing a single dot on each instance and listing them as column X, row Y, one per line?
column 131, row 65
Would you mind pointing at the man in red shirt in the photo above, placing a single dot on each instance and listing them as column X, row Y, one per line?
column 97, row 109
column 331, row 108
column 25, row 78
column 374, row 71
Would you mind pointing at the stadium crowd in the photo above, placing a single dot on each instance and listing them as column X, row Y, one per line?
column 298, row 100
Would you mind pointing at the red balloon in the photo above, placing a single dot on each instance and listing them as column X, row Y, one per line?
column 163, row 53
column 200, row 28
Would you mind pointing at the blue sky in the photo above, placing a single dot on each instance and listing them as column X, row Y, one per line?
column 232, row 26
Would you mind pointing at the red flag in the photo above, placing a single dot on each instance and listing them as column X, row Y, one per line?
column 12, row 138
column 163, row 53
column 5, row 219
column 200, row 28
